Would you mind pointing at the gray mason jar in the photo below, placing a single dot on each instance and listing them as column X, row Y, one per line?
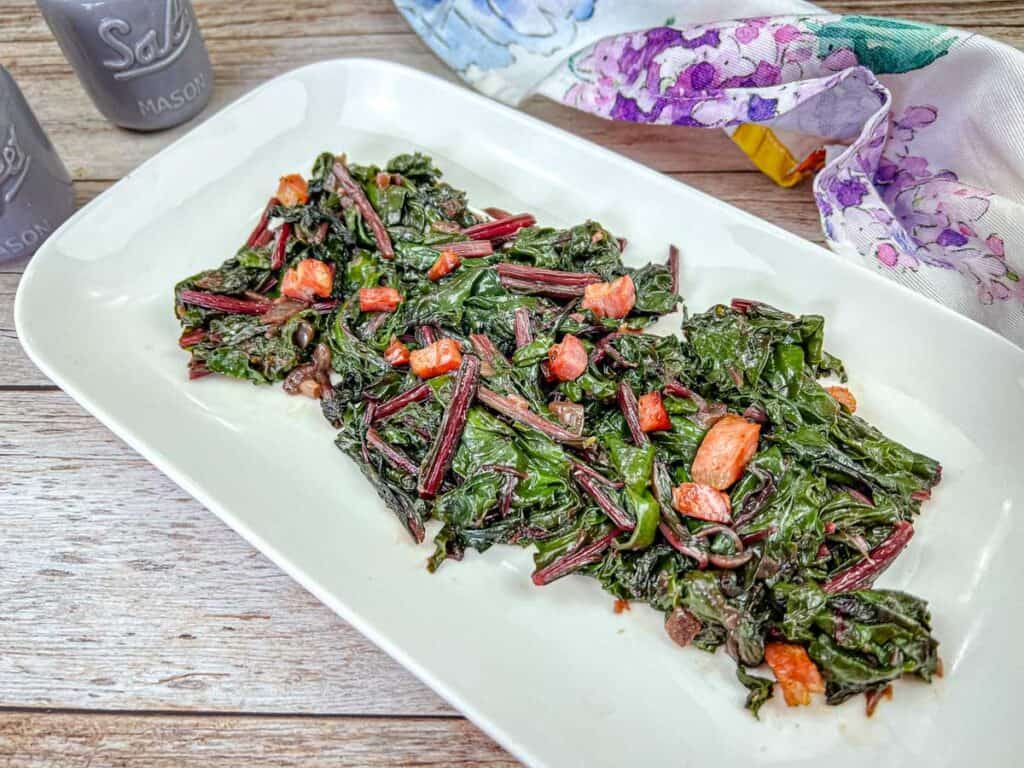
column 35, row 188
column 143, row 62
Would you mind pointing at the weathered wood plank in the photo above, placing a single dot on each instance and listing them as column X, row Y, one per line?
column 15, row 368
column 266, row 19
column 119, row 591
column 229, row 19
column 979, row 15
column 162, row 741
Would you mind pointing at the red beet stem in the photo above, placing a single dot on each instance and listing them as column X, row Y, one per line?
column 721, row 530
column 743, row 305
column 467, row 249
column 371, row 407
column 523, row 327
column 707, row 413
column 417, row 394
column 600, row 350
column 545, row 371
column 375, row 323
column 426, row 335
column 439, row 458
column 499, row 228
column 497, row 213
column 261, row 225
column 535, row 288
column 552, row 283
column 518, row 412
column 676, row 543
column 604, row 348
column 198, row 371
column 859, row 496
column 282, row 310
column 756, row 413
column 616, row 514
column 354, row 190
column 320, row 234
column 394, row 457
column 325, row 306
column 220, row 303
column 631, row 411
column 867, row 570
column 756, row 536
column 730, row 562
column 191, row 338
column 569, row 563
column 873, row 696
column 508, row 492
column 280, row 245
column 675, row 388
column 588, row 470
column 267, row 284
column 673, row 267
column 754, row 502
column 490, row 355
column 506, row 469
column 555, row 277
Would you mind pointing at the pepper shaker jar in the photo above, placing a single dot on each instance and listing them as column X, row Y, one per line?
column 35, row 189
column 143, row 62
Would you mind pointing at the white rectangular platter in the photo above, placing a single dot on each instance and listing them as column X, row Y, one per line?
column 552, row 674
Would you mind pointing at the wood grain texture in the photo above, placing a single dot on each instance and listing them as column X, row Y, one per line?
column 231, row 20
column 15, row 367
column 986, row 16
column 79, row 740
column 365, row 16
column 266, row 19
column 120, row 593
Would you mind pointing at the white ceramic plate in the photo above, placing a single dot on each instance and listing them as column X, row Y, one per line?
column 553, row 673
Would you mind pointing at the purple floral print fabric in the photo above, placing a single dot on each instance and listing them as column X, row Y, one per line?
column 918, row 183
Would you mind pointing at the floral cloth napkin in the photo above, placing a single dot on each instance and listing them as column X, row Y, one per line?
column 914, row 133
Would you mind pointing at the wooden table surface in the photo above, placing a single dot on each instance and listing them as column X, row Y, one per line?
column 135, row 627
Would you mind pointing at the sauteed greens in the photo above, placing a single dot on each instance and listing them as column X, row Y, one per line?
column 495, row 376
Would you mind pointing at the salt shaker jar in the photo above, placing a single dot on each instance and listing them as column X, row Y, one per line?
column 35, row 188
column 143, row 62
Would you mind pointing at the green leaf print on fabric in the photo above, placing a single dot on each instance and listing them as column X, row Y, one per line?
column 885, row 46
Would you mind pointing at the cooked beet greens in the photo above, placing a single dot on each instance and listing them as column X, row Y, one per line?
column 507, row 391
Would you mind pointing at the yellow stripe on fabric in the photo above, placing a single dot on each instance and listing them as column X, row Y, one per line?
column 769, row 154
